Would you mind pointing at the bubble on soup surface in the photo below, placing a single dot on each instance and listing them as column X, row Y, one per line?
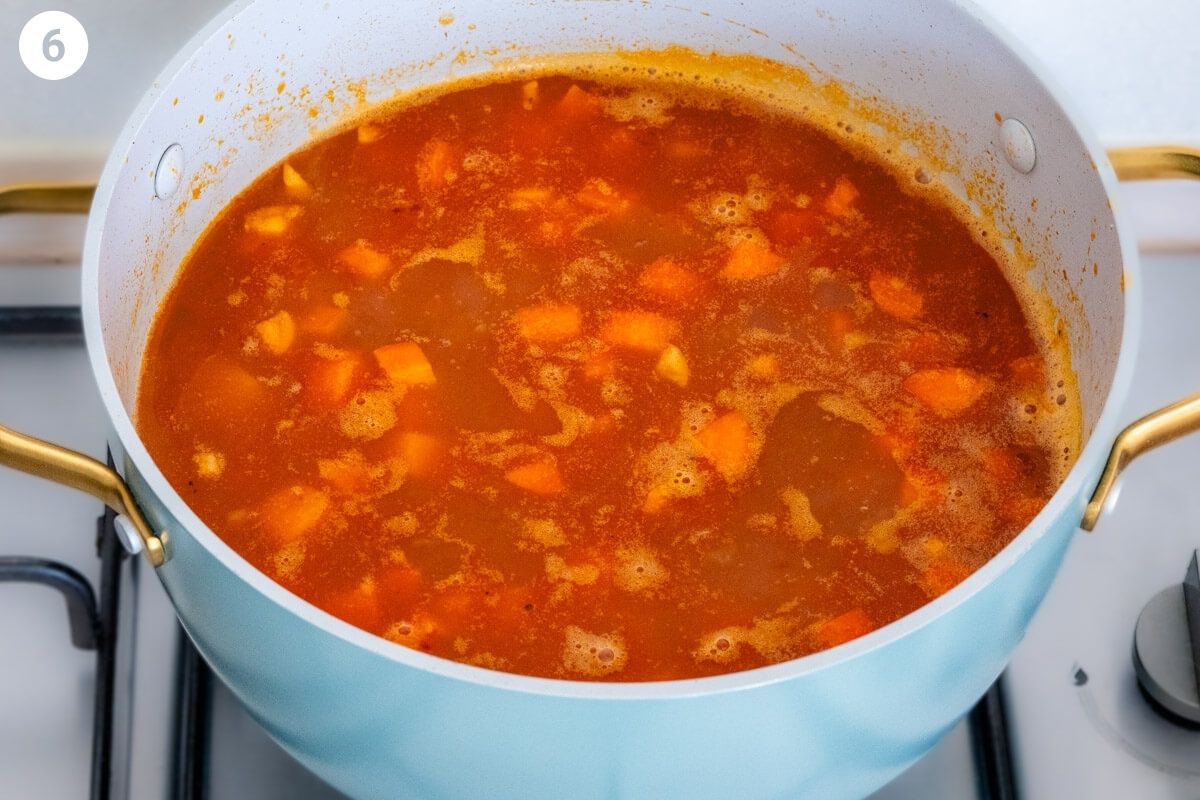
column 593, row 655
column 639, row 569
column 368, row 415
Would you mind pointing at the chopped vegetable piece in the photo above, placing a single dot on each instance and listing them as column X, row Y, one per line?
column 640, row 330
column 578, row 104
column 437, row 165
column 324, row 320
column 529, row 95
column 359, row 606
column 272, row 220
column 672, row 366
column 840, row 200
column 422, row 453
column 669, row 281
column 292, row 512
column 764, row 367
column 329, row 381
column 347, row 473
column 364, row 260
column 598, row 195
column 529, row 197
column 370, row 132
column 728, row 442
column 749, row 260
column 297, row 188
column 549, row 323
column 843, row 628
column 405, row 363
column 277, row 332
column 894, row 296
column 539, row 477
column 209, row 464
column 948, row 391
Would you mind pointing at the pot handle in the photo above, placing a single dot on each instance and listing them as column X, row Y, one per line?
column 1180, row 418
column 50, row 461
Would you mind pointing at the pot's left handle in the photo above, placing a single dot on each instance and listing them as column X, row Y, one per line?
column 50, row 461
column 1180, row 418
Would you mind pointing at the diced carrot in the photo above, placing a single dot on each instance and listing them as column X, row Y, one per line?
column 539, row 477
column 945, row 573
column 728, row 442
column 347, row 473
column 272, row 220
column 530, row 95
column 405, row 363
column 290, row 513
column 324, row 320
column 437, row 165
column 672, row 366
column 549, row 323
column 749, row 260
column 840, row 200
column 1029, row 372
column 598, row 195
column 668, row 280
column 947, row 391
column 422, row 453
column 293, row 182
column 358, row 606
column 894, row 296
column 843, row 628
column 397, row 583
column 640, row 330
column 277, row 332
column 329, row 381
column 578, row 104
column 364, row 260
column 790, row 226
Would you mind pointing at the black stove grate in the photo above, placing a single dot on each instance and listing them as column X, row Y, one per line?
column 95, row 622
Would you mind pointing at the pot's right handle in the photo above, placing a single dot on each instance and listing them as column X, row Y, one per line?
column 1178, row 419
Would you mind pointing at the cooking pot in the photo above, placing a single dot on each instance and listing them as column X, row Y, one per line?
column 936, row 79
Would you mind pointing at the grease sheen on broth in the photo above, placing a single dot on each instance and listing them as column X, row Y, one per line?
column 601, row 378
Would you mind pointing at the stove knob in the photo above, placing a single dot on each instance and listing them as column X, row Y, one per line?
column 1166, row 650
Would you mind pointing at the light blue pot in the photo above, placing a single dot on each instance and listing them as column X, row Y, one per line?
column 377, row 720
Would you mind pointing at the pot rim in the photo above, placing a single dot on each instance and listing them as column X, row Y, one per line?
column 1068, row 499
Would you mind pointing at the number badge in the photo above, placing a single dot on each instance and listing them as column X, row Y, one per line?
column 53, row 45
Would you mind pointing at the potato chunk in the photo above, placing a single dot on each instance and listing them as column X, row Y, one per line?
column 895, row 297
column 841, row 199
column 749, row 260
column 405, row 363
column 667, row 280
column 364, row 260
column 437, row 165
column 947, row 391
column 549, row 323
column 672, row 366
column 277, row 332
column 538, row 477
column 290, row 513
column 294, row 184
column 272, row 220
column 640, row 330
column 728, row 442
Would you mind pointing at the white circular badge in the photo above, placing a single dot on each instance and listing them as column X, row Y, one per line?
column 53, row 45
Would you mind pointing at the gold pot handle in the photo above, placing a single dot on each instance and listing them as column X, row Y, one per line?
column 50, row 461
column 1178, row 419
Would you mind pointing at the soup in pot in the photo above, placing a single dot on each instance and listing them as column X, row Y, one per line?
column 605, row 377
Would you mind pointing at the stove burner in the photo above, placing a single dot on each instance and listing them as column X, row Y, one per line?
column 1166, row 650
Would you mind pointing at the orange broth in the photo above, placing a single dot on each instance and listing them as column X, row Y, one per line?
column 601, row 380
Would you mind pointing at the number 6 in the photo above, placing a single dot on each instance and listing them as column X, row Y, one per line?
column 52, row 48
